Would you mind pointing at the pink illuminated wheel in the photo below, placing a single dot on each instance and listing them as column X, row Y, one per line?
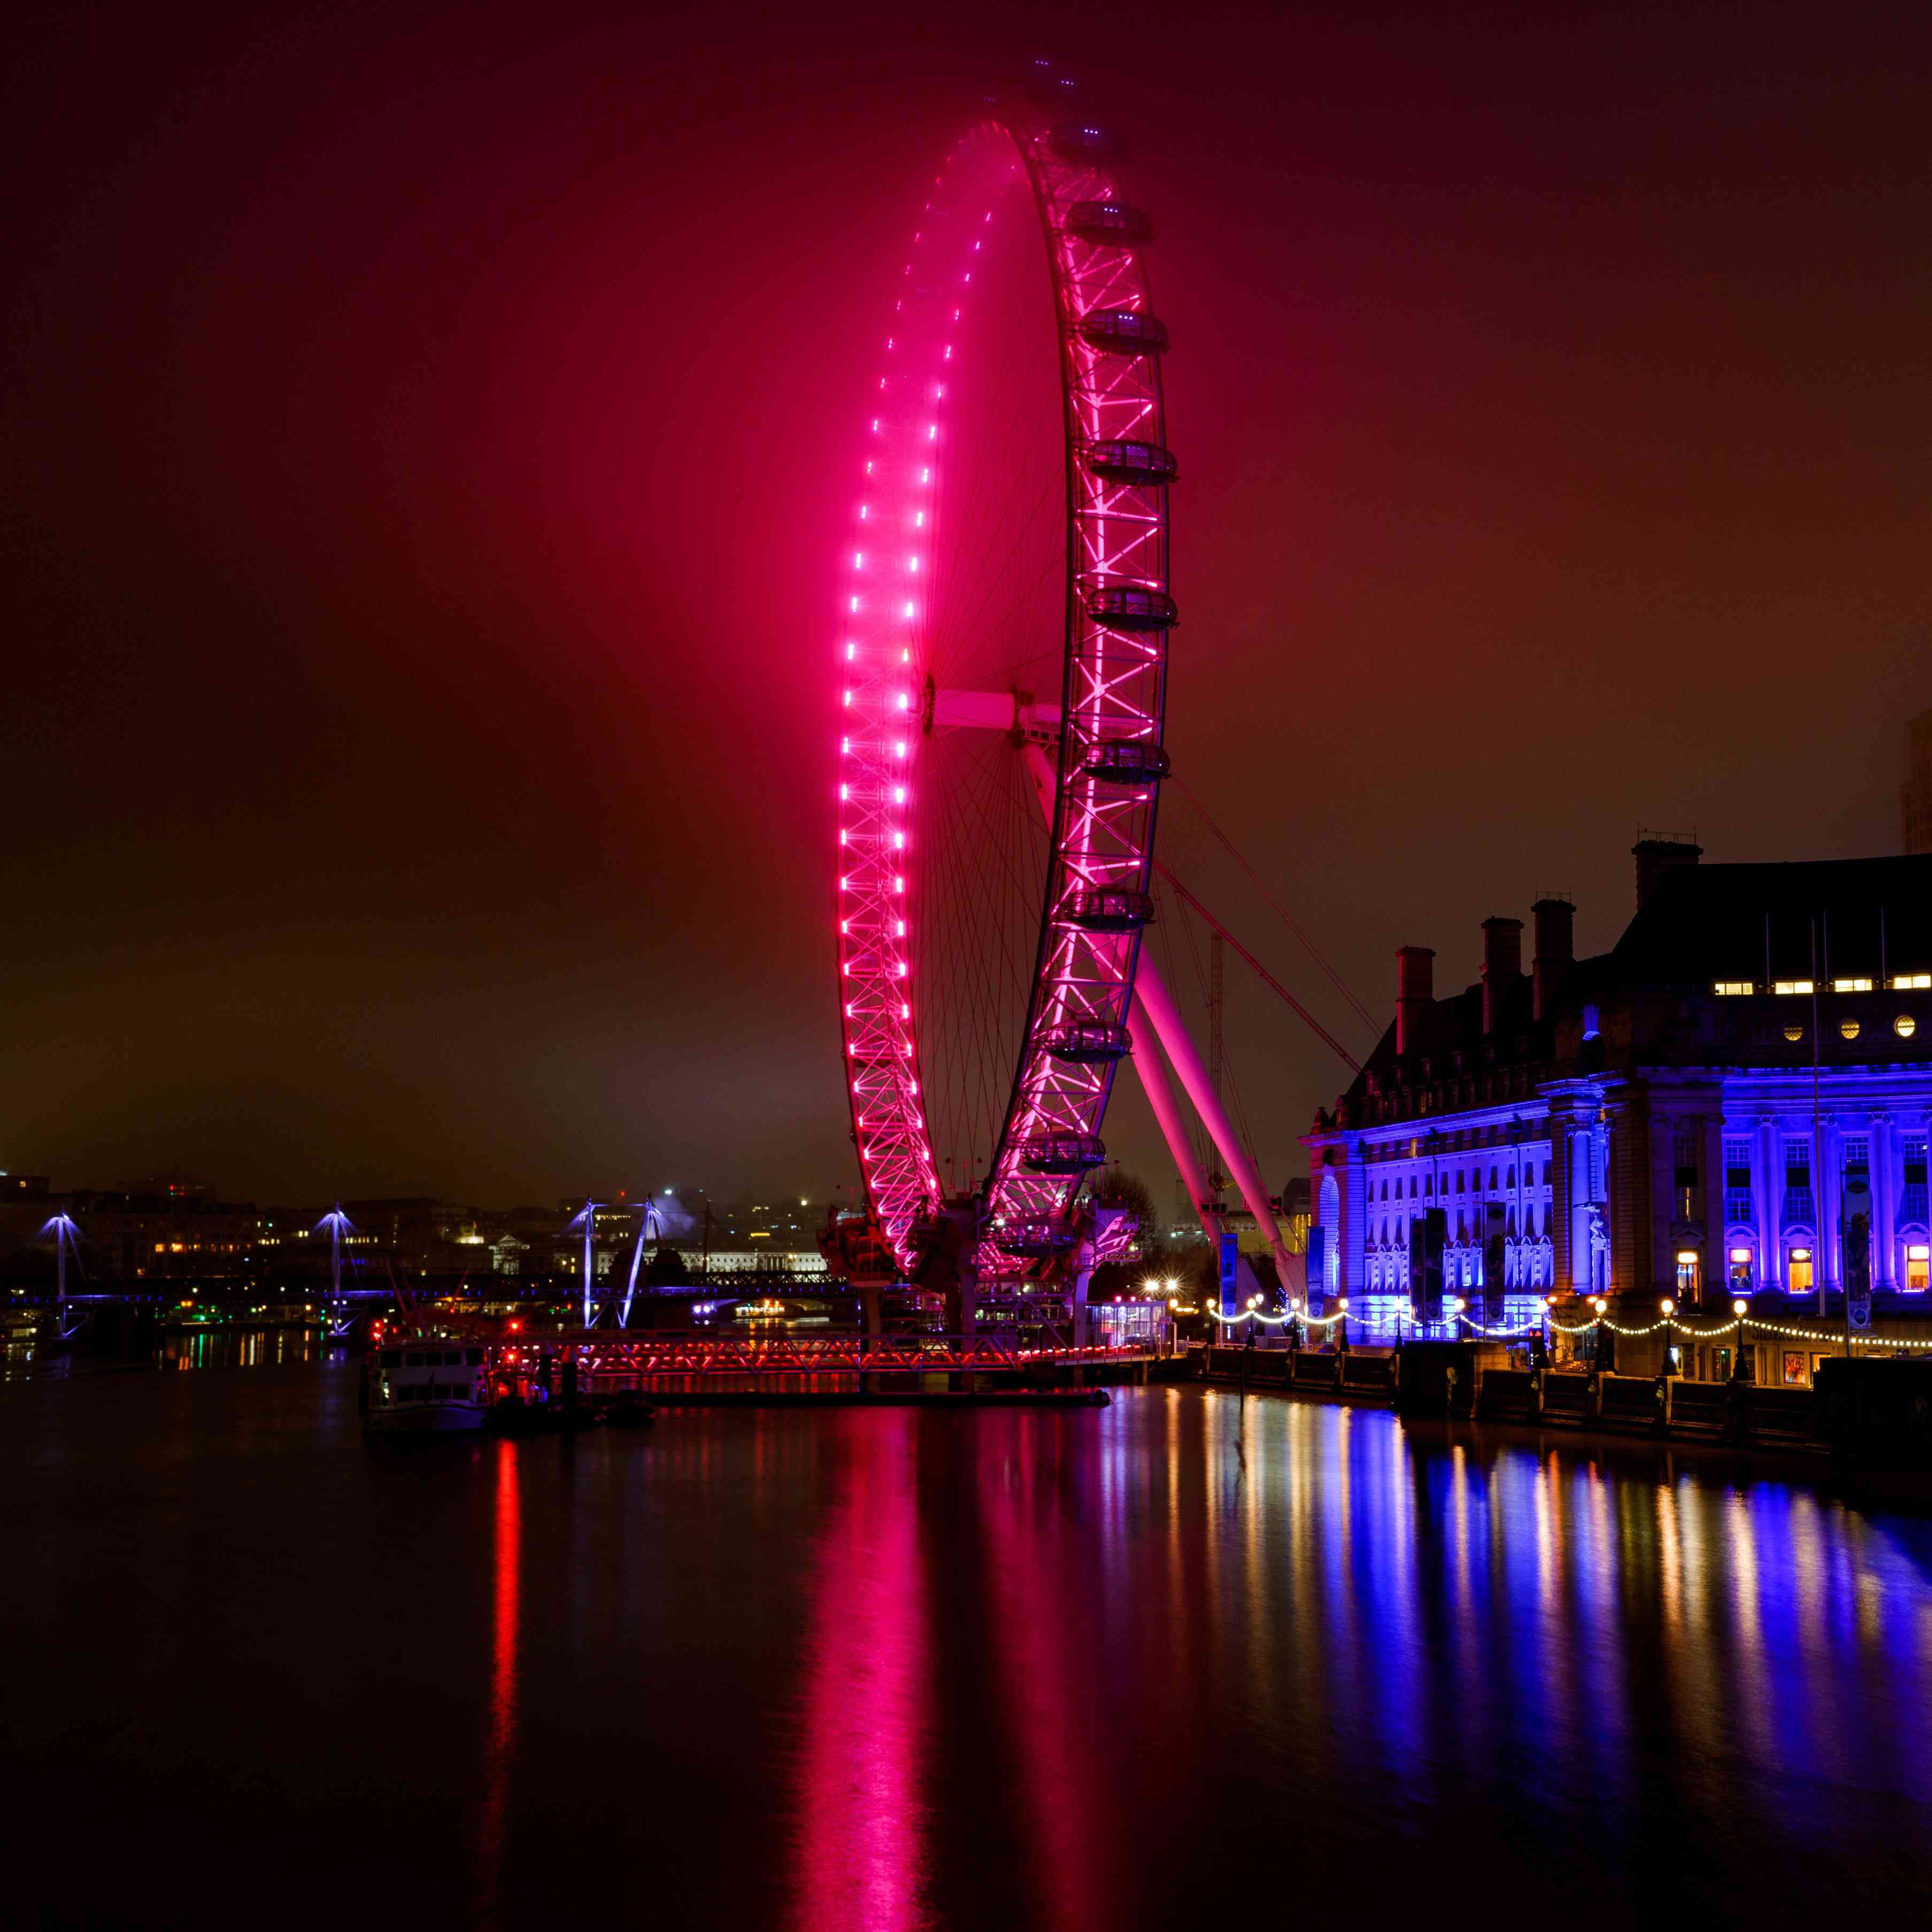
column 1002, row 650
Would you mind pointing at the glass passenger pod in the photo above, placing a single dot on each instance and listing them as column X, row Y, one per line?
column 1035, row 1241
column 1133, row 607
column 1086, row 141
column 1127, row 761
column 1125, row 331
column 1110, row 909
column 1063, row 1153
column 1143, row 463
column 1104, row 222
column 1087, row 1042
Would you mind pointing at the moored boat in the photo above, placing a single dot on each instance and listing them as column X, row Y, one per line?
column 426, row 1386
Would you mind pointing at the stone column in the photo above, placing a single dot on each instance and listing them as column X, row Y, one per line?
column 1630, row 1216
column 1355, row 1218
column 1717, row 1256
column 1827, row 1193
column 1767, row 1198
column 1662, row 1167
column 1885, row 1205
column 1569, row 1157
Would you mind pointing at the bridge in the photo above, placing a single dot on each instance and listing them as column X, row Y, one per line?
column 607, row 1360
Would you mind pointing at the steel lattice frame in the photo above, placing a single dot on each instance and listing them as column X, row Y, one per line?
column 1113, row 686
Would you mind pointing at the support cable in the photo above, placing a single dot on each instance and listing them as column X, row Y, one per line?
column 1274, row 984
column 1287, row 919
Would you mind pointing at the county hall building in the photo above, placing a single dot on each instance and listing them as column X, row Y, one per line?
column 1733, row 1101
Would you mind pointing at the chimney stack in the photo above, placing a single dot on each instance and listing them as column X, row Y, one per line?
column 1414, row 993
column 1502, row 965
column 1656, row 856
column 1556, row 947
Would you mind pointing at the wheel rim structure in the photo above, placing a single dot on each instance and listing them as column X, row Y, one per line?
column 1094, row 753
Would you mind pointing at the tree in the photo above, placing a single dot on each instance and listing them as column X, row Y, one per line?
column 667, row 1269
column 1117, row 1188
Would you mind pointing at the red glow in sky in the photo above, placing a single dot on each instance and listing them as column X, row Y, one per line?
column 418, row 554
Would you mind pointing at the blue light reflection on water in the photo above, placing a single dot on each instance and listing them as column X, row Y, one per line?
column 1592, row 1625
column 899, row 1669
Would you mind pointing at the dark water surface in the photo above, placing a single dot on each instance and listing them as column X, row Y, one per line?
column 1150, row 1665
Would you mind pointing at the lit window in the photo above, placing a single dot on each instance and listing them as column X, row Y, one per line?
column 1794, row 986
column 1911, row 983
column 1918, row 1267
column 1792, row 1030
column 1799, row 1281
column 1905, row 1026
column 1735, row 986
column 1848, row 1029
column 1851, row 986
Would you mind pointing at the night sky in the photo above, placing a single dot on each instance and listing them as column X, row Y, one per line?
column 426, row 439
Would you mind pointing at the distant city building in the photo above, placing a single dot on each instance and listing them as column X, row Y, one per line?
column 1915, row 795
column 175, row 1230
column 1645, row 1121
column 137, row 1237
column 762, row 1261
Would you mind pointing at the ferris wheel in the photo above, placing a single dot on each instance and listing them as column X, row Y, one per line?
column 1003, row 633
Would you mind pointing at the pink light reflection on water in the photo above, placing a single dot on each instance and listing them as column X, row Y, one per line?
column 500, row 1747
column 1035, row 1584
column 862, row 1835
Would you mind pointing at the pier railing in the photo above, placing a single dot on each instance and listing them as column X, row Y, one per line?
column 617, row 1353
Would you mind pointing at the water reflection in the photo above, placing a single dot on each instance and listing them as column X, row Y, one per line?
column 856, row 1669
column 860, row 1840
column 106, row 1348
column 499, row 1748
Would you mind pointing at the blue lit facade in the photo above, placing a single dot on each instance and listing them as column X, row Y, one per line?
column 1656, row 1121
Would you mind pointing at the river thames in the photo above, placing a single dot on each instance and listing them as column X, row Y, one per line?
column 1183, row 1659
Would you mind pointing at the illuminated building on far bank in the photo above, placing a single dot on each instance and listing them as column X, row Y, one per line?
column 1663, row 1119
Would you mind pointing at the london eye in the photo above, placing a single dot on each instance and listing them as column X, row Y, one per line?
column 1004, row 632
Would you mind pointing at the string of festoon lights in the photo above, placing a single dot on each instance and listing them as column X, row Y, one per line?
column 1457, row 1310
column 1253, row 1313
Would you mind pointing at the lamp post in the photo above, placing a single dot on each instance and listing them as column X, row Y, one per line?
column 1737, row 1308
column 62, row 1228
column 1670, row 1308
column 587, row 1215
column 1597, row 1358
column 338, row 1224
